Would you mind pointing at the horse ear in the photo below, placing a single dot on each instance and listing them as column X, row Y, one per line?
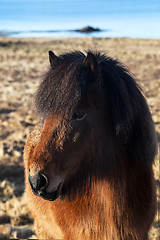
column 52, row 58
column 90, row 62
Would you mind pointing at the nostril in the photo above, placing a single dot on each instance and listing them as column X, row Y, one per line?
column 38, row 182
column 43, row 181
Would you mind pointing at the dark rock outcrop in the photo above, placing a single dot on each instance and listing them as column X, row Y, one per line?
column 88, row 29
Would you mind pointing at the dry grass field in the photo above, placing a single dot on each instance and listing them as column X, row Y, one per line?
column 22, row 65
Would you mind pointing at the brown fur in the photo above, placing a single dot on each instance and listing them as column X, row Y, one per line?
column 108, row 191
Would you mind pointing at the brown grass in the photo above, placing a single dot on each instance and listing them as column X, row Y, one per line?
column 23, row 62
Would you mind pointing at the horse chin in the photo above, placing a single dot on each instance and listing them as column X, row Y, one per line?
column 50, row 196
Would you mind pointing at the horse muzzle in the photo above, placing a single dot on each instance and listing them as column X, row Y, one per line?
column 42, row 187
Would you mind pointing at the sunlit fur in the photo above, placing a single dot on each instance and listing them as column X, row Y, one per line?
column 106, row 159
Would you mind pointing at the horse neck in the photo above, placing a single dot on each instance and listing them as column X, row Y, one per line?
column 108, row 204
column 95, row 211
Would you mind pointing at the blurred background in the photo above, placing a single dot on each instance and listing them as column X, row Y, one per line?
column 59, row 18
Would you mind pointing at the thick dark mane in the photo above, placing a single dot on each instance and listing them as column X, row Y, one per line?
column 128, row 111
column 60, row 89
column 67, row 83
column 63, row 85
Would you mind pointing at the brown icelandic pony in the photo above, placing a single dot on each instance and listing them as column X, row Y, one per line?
column 88, row 163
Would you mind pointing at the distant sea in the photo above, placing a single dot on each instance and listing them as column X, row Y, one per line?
column 58, row 18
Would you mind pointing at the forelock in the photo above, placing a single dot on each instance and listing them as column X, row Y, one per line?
column 61, row 88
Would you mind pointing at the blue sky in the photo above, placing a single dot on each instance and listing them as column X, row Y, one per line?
column 121, row 16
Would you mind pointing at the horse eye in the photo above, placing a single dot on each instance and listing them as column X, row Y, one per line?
column 79, row 115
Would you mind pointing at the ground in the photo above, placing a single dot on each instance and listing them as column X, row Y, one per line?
column 22, row 65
